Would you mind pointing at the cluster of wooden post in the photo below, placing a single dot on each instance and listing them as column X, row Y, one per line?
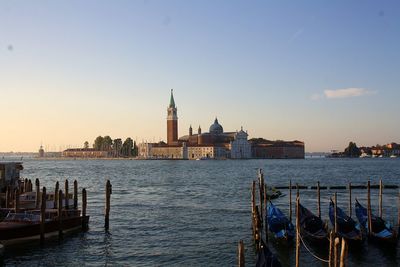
column 337, row 255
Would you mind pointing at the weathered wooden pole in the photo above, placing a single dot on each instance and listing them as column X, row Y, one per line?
column 241, row 254
column 297, row 190
column 297, row 231
column 331, row 246
column 108, row 204
column 343, row 253
column 26, row 186
column 7, row 200
column 75, row 195
column 66, row 195
column 336, row 252
column 318, row 200
column 290, row 200
column 349, row 199
column 43, row 216
column 266, row 213
column 369, row 207
column 16, row 202
column 261, row 189
column 56, row 195
column 398, row 213
column 335, row 206
column 380, row 198
column 60, row 215
column 84, row 206
column 253, row 197
column 30, row 185
column 37, row 183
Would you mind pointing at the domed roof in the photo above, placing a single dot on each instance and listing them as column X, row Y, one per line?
column 216, row 128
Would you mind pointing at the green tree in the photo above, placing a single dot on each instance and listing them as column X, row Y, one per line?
column 352, row 150
column 107, row 143
column 117, row 147
column 127, row 147
column 86, row 145
column 98, row 143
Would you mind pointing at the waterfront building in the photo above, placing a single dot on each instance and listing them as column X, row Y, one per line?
column 214, row 144
column 85, row 153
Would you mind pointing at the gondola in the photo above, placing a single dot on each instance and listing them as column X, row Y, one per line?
column 311, row 227
column 382, row 231
column 279, row 224
column 347, row 227
column 265, row 258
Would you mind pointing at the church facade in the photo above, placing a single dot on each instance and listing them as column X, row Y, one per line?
column 214, row 144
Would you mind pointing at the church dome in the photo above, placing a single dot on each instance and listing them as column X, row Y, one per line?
column 216, row 128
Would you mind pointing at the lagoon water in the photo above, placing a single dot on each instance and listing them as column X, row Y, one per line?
column 193, row 213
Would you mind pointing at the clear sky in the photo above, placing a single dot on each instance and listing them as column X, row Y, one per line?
column 324, row 72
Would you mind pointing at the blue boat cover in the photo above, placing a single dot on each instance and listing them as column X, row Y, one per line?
column 278, row 223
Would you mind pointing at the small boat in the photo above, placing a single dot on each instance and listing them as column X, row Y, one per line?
column 21, row 227
column 347, row 227
column 311, row 227
column 265, row 258
column 279, row 224
column 382, row 231
column 27, row 200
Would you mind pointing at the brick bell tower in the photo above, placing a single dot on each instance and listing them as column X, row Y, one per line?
column 172, row 122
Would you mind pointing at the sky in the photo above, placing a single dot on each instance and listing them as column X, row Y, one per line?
column 323, row 72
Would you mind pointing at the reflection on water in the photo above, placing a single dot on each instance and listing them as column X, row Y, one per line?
column 195, row 212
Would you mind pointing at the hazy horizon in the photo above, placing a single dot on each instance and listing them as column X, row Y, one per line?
column 325, row 73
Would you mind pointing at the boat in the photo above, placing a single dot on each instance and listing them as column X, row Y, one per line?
column 24, row 226
column 347, row 227
column 279, row 224
column 27, row 200
column 311, row 227
column 265, row 258
column 382, row 231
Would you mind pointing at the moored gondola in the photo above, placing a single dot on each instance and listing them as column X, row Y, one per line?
column 311, row 227
column 347, row 227
column 279, row 224
column 265, row 258
column 381, row 231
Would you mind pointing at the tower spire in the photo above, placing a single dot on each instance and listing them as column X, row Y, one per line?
column 171, row 100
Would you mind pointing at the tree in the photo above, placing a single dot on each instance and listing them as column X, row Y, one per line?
column 352, row 151
column 107, row 143
column 127, row 147
column 117, row 146
column 98, row 143
column 86, row 145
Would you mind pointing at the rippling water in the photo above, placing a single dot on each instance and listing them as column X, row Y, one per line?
column 181, row 213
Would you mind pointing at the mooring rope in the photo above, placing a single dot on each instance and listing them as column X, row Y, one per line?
column 312, row 254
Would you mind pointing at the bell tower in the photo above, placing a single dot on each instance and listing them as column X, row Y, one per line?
column 172, row 121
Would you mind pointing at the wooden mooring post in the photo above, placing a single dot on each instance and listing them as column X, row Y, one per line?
column 43, row 216
column 75, row 195
column 331, row 250
column 380, row 198
column 56, row 195
column 369, row 207
column 108, row 204
column 66, row 195
column 16, row 200
column 37, row 184
column 290, row 200
column 266, row 213
column 343, row 253
column 241, row 260
column 60, row 215
column 297, row 231
column 349, row 199
column 261, row 189
column 84, row 206
column 335, row 206
column 336, row 252
column 318, row 200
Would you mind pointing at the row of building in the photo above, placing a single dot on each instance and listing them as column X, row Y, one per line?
column 215, row 144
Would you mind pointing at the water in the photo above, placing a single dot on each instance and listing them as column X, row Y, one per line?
column 182, row 213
